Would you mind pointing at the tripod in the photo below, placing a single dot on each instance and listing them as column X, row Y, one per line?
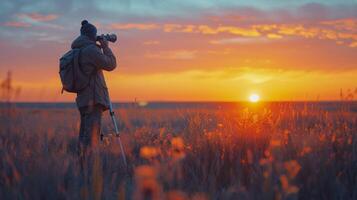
column 112, row 115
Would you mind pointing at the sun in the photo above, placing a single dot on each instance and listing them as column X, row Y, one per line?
column 254, row 98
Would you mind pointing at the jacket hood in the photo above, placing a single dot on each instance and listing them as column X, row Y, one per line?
column 81, row 41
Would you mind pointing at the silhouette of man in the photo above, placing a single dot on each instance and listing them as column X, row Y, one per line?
column 94, row 99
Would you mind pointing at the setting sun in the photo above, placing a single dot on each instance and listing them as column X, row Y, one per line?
column 254, row 98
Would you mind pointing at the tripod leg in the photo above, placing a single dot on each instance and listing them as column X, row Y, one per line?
column 117, row 133
column 122, row 151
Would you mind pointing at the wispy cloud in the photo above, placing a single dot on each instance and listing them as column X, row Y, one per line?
column 25, row 20
column 337, row 31
column 17, row 24
column 341, row 31
column 179, row 28
column 136, row 26
column 37, row 17
column 349, row 24
column 334, row 30
column 173, row 55
column 209, row 30
column 239, row 40
column 274, row 36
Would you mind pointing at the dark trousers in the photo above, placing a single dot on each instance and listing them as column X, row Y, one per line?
column 89, row 134
column 90, row 129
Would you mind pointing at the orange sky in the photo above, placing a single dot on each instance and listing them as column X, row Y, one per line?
column 305, row 53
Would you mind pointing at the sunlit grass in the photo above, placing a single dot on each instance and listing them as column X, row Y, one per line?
column 280, row 151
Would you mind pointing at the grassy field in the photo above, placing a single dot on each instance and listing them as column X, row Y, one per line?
column 249, row 152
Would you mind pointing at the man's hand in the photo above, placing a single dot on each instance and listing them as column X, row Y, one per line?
column 103, row 42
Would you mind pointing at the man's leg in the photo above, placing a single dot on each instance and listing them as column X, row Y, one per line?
column 96, row 123
column 91, row 118
column 90, row 129
column 83, row 143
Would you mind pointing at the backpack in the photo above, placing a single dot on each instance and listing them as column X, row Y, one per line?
column 72, row 77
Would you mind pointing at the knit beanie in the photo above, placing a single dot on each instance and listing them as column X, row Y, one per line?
column 88, row 30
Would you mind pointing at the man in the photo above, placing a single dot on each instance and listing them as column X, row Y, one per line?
column 94, row 99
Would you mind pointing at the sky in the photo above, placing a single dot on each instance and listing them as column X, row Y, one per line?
column 184, row 50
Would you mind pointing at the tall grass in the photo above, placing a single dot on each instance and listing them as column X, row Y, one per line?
column 279, row 151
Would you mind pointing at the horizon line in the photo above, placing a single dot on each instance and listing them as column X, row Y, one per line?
column 169, row 101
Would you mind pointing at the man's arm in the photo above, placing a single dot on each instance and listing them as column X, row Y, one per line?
column 104, row 60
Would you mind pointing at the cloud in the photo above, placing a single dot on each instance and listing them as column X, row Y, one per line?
column 329, row 32
column 239, row 40
column 274, row 36
column 119, row 26
column 341, row 31
column 248, row 32
column 179, row 28
column 173, row 55
column 25, row 20
column 37, row 17
column 210, row 30
column 336, row 30
column 349, row 24
column 17, row 24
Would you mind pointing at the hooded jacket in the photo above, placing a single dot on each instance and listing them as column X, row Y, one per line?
column 93, row 60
